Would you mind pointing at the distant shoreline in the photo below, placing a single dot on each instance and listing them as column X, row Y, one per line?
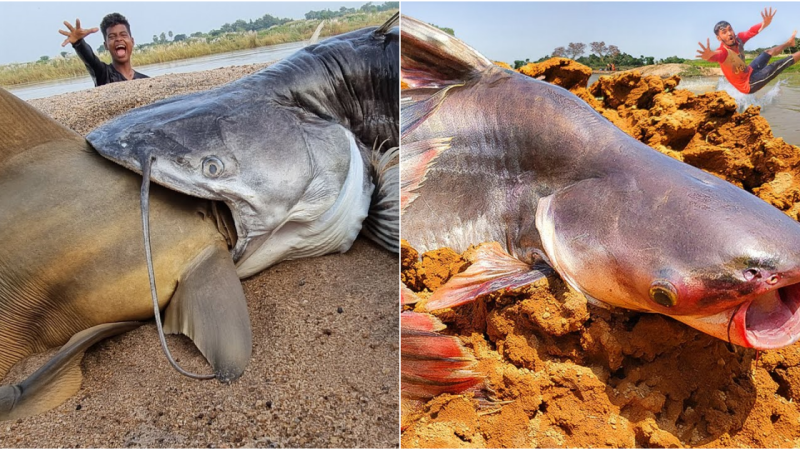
column 15, row 75
column 668, row 70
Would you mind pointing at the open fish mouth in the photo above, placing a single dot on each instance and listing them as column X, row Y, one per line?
column 771, row 320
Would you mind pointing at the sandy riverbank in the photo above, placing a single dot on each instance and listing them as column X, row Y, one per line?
column 324, row 370
column 668, row 70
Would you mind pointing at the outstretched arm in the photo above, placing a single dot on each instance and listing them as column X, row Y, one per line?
column 706, row 53
column 75, row 33
column 766, row 17
column 75, row 36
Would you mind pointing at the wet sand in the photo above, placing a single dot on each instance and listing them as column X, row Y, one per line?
column 324, row 369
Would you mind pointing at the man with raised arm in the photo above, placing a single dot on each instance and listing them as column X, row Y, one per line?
column 117, row 40
column 730, row 55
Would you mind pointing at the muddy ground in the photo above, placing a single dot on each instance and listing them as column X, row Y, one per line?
column 324, row 369
column 568, row 374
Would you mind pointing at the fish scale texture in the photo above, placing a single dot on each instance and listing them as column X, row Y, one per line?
column 575, row 375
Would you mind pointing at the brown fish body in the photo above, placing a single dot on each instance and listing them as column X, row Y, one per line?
column 72, row 261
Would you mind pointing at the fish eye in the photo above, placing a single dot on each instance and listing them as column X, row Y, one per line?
column 212, row 167
column 664, row 293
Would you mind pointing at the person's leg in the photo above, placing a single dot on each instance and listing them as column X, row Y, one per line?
column 775, row 51
column 760, row 61
column 760, row 78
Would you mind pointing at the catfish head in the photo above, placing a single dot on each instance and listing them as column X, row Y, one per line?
column 656, row 235
column 287, row 177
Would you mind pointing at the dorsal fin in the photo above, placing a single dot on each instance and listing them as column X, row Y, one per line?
column 389, row 24
column 315, row 36
column 22, row 126
column 432, row 58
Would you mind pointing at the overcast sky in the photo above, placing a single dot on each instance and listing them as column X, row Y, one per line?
column 30, row 29
column 511, row 31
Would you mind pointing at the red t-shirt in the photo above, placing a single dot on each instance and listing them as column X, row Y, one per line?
column 731, row 60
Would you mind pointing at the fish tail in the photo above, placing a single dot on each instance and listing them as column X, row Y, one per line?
column 382, row 224
column 59, row 379
column 432, row 58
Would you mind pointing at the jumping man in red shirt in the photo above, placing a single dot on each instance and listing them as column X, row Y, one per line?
column 730, row 55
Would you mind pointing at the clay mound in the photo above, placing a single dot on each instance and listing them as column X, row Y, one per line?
column 569, row 374
column 561, row 71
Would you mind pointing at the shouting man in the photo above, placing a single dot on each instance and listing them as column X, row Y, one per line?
column 730, row 55
column 117, row 40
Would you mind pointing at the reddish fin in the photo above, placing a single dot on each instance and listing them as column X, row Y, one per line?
column 433, row 363
column 432, row 58
column 407, row 296
column 413, row 321
column 492, row 270
column 417, row 158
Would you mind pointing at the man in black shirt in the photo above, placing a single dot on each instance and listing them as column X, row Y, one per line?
column 118, row 41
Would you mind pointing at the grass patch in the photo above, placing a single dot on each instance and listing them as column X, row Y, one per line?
column 298, row 30
column 691, row 71
column 704, row 63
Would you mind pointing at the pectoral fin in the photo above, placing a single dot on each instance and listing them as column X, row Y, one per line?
column 210, row 308
column 59, row 379
column 492, row 270
column 416, row 159
column 414, row 111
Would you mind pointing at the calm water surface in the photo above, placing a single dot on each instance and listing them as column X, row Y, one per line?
column 238, row 58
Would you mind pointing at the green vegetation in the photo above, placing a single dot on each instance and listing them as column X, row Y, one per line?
column 343, row 11
column 447, row 30
column 601, row 56
column 243, row 35
column 748, row 58
column 691, row 71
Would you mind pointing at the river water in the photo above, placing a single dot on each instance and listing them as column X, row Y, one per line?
column 237, row 58
column 779, row 101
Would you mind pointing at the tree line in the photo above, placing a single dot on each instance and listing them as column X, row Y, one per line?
column 601, row 56
column 368, row 7
column 262, row 23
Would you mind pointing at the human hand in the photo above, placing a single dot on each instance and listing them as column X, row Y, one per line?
column 766, row 17
column 75, row 33
column 705, row 52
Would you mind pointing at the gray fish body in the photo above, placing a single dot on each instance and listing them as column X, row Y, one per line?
column 288, row 149
column 499, row 163
column 535, row 168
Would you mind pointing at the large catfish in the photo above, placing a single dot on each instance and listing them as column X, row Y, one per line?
column 292, row 150
column 492, row 155
column 72, row 269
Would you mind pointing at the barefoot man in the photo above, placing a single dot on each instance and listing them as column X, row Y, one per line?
column 730, row 55
column 117, row 40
